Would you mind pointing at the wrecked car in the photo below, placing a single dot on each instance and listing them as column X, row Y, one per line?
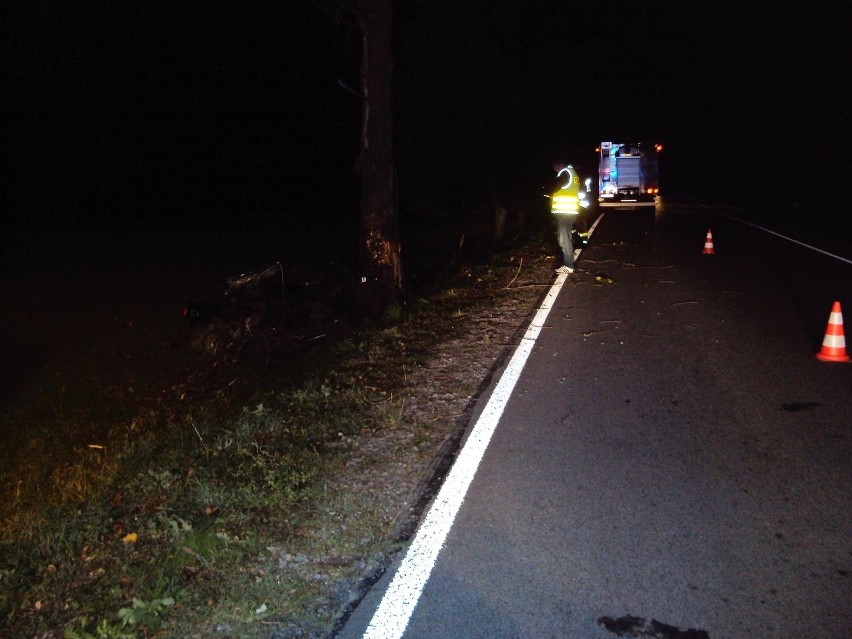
column 247, row 303
column 268, row 305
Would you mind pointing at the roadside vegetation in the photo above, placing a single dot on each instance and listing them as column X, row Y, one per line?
column 174, row 512
column 252, row 497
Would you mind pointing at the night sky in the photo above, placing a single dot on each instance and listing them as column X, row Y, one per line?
column 139, row 122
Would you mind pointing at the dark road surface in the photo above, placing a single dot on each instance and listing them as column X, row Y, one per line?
column 674, row 461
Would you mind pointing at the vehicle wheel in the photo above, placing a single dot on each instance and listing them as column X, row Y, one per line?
column 213, row 342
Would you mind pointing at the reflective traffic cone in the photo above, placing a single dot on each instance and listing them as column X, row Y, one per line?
column 708, row 244
column 834, row 344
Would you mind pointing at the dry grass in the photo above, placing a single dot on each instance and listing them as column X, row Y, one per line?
column 242, row 499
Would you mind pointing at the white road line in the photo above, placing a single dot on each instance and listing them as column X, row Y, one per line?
column 391, row 617
column 789, row 239
column 763, row 228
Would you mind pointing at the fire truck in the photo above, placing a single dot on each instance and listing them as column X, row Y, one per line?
column 627, row 174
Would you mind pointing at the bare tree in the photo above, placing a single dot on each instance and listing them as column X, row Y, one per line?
column 380, row 264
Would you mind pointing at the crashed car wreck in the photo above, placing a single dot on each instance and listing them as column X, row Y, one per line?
column 248, row 303
column 270, row 305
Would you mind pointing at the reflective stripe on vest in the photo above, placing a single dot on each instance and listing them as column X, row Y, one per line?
column 564, row 204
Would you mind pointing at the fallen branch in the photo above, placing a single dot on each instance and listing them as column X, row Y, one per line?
column 516, row 273
column 518, row 288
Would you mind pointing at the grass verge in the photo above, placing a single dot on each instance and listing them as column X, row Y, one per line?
column 254, row 513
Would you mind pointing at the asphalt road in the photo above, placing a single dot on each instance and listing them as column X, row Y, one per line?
column 674, row 462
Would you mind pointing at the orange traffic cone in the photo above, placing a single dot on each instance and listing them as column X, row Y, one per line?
column 834, row 344
column 708, row 244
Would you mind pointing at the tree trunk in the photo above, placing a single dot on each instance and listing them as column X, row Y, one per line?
column 498, row 236
column 381, row 279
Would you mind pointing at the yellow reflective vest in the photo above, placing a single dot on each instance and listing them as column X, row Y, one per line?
column 569, row 198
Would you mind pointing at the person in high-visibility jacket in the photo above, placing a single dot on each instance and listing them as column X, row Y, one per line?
column 566, row 202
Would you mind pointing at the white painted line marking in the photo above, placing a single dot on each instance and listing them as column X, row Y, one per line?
column 763, row 228
column 391, row 617
column 789, row 239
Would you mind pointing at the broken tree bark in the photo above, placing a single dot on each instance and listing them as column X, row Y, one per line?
column 380, row 276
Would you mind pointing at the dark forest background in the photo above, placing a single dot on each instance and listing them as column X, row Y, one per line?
column 135, row 131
